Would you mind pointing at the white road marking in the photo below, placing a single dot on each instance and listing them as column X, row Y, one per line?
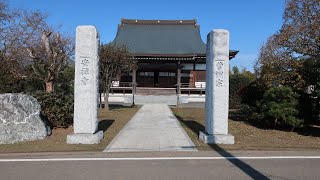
column 159, row 158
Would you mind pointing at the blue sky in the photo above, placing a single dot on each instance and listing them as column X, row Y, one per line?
column 250, row 22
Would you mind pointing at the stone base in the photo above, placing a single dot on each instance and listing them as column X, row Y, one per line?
column 216, row 138
column 85, row 138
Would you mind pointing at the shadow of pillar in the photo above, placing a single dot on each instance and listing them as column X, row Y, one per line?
column 243, row 166
column 103, row 125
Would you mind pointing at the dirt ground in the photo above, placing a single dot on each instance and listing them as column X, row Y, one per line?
column 249, row 137
column 110, row 122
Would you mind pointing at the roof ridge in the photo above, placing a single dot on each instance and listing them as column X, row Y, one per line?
column 159, row 22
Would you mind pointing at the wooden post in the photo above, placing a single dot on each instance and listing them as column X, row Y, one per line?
column 178, row 78
column 134, row 80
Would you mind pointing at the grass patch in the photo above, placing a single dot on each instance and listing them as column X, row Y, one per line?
column 248, row 137
column 110, row 122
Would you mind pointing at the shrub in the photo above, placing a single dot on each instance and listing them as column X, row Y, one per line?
column 252, row 93
column 56, row 107
column 65, row 81
column 237, row 83
column 278, row 108
column 247, row 112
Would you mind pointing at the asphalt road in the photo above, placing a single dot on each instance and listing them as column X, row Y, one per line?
column 102, row 167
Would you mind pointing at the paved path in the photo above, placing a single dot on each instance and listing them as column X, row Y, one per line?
column 152, row 128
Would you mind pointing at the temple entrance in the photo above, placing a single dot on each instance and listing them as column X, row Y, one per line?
column 157, row 79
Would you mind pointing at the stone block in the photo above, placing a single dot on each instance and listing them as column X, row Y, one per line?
column 183, row 99
column 170, row 100
column 216, row 138
column 85, row 138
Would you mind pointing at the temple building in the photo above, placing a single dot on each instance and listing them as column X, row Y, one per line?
column 170, row 54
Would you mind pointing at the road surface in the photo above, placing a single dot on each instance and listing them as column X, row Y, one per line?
column 202, row 165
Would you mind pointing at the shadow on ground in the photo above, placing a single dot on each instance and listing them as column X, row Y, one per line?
column 191, row 124
column 103, row 125
column 243, row 166
column 311, row 130
column 115, row 106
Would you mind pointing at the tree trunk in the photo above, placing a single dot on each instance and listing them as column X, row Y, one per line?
column 50, row 82
column 292, row 128
column 106, row 100
column 49, row 86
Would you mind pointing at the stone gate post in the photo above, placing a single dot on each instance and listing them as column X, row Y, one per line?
column 217, row 89
column 86, row 86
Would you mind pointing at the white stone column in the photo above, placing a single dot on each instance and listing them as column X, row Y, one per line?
column 86, row 87
column 217, row 89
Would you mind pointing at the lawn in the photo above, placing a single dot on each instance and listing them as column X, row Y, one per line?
column 110, row 122
column 249, row 137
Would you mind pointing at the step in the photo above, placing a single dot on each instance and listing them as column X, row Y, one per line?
column 156, row 91
column 155, row 99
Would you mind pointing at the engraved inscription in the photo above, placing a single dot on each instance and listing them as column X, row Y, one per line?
column 219, row 65
column 85, row 70
column 84, row 80
column 219, row 74
column 85, row 62
column 219, row 82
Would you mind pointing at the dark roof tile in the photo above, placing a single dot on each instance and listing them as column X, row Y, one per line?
column 161, row 37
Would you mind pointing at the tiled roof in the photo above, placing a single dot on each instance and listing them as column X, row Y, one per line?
column 161, row 37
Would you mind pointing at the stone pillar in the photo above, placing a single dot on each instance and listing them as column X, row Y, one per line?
column 217, row 89
column 86, row 86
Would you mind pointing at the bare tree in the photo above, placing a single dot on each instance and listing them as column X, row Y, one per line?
column 27, row 40
column 50, row 56
column 113, row 60
column 4, row 15
column 21, row 28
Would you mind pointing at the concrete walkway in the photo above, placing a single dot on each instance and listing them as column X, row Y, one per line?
column 152, row 128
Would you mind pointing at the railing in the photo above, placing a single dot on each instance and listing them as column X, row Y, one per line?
column 122, row 86
column 183, row 88
column 191, row 87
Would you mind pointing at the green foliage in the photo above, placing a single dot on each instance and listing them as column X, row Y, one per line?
column 250, row 95
column 247, row 112
column 290, row 57
column 310, row 101
column 56, row 107
column 9, row 84
column 235, row 70
column 5, row 81
column 253, row 93
column 237, row 82
column 278, row 108
column 65, row 81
